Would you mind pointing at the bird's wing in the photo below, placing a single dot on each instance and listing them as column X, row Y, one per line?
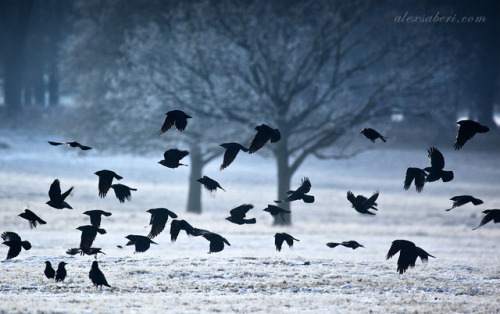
column 105, row 181
column 55, row 190
column 436, row 158
column 490, row 215
column 278, row 241
column 55, row 143
column 332, row 244
column 275, row 135
column 258, row 141
column 122, row 192
column 229, row 156
column 371, row 201
column 350, row 197
column 10, row 236
column 14, row 249
column 410, row 175
column 465, row 132
column 157, row 222
column 289, row 241
column 305, row 186
column 394, row 249
column 175, row 228
column 180, row 120
column 87, row 238
column 241, row 210
column 65, row 194
column 168, row 123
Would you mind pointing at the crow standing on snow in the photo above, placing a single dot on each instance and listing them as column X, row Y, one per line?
column 141, row 243
column 32, row 218
column 275, row 211
column 14, row 242
column 122, row 192
column 72, row 144
column 177, row 225
column 105, row 180
column 172, row 158
column 300, row 193
column 88, row 236
column 352, row 244
column 264, row 134
column 279, row 238
column 49, row 272
column 174, row 117
column 435, row 171
column 159, row 218
column 362, row 204
column 372, row 135
column 491, row 214
column 408, row 254
column 232, row 149
column 210, row 184
column 466, row 131
column 56, row 198
column 464, row 199
column 238, row 215
column 416, row 174
column 97, row 276
column 95, row 216
column 61, row 272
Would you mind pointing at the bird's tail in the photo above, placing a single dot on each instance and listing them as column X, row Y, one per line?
column 308, row 199
column 332, row 244
column 101, row 231
column 251, row 221
column 424, row 256
column 477, row 201
column 43, row 222
column 383, row 138
column 107, row 214
column 483, row 129
column 447, row 176
column 26, row 245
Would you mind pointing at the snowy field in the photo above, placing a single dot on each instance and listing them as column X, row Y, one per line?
column 250, row 275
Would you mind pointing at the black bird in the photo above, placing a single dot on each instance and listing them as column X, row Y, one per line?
column 210, row 184
column 460, row 200
column 264, row 134
column 95, row 216
column 408, row 254
column 435, row 171
column 172, row 158
column 32, row 218
column 177, row 225
column 174, row 117
column 372, row 135
column 352, row 244
column 216, row 240
column 466, row 131
column 141, row 243
column 14, row 242
column 49, row 272
column 280, row 237
column 85, row 251
column 232, row 149
column 61, row 272
column 416, row 174
column 105, row 180
column 56, row 198
column 72, row 144
column 159, row 218
column 491, row 214
column 88, row 235
column 275, row 211
column 300, row 193
column 362, row 204
column 97, row 276
column 122, row 192
column 238, row 215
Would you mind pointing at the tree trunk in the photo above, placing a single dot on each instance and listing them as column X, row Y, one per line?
column 196, row 168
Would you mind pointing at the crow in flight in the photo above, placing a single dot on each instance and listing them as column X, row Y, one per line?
column 238, row 215
column 352, row 244
column 435, row 171
column 232, row 149
column 362, row 204
column 88, row 235
column 372, row 135
column 61, row 272
column 464, row 199
column 85, row 251
column 174, row 117
column 32, row 218
column 97, row 276
column 14, row 242
column 264, row 134
column 72, row 144
column 172, row 158
column 56, row 198
column 416, row 174
column 408, row 254
column 105, row 180
column 95, row 216
column 280, row 237
column 49, row 272
column 300, row 193
column 466, row 131
column 275, row 211
column 122, row 192
column 491, row 214
column 216, row 240
column 141, row 243
column 177, row 225
column 210, row 184
column 159, row 217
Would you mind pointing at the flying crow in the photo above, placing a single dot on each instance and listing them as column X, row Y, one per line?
column 72, row 144
column 122, row 192
column 491, row 214
column 466, row 131
column 416, row 174
column 210, row 184
column 435, row 171
column 56, row 198
column 172, row 158
column 232, row 149
column 275, row 211
column 352, row 244
column 32, row 218
column 460, row 200
column 105, row 180
column 372, row 135
column 264, row 134
column 14, row 242
column 300, row 193
column 238, row 215
column 95, row 216
column 159, row 217
column 174, row 117
column 362, row 204
column 408, row 254
column 280, row 237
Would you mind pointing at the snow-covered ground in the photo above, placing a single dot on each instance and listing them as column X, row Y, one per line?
column 250, row 275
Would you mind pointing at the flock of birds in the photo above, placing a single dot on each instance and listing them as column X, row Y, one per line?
column 408, row 251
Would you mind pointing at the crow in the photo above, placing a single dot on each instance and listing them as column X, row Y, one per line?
column 56, row 198
column 105, row 180
column 141, row 243
column 232, row 149
column 352, row 244
column 435, row 171
column 416, row 174
column 460, row 200
column 466, row 131
column 97, row 276
column 238, row 215
column 280, row 237
column 216, row 240
column 300, row 193
column 122, row 192
column 49, row 272
column 275, row 211
column 159, row 217
column 72, row 144
column 210, row 184
column 372, row 135
column 32, row 218
column 362, row 204
column 14, row 242
column 408, row 254
column 85, row 251
column 88, row 235
column 264, row 134
column 174, row 117
column 172, row 158
column 491, row 214
column 61, row 272
column 177, row 225
column 95, row 216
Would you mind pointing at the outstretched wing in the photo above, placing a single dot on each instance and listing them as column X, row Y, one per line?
column 55, row 190
column 305, row 186
column 436, row 158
